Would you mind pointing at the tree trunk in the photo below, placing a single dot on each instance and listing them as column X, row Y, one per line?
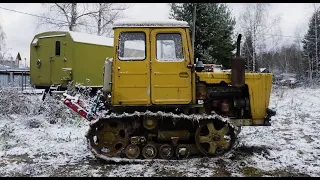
column 73, row 16
column 100, row 19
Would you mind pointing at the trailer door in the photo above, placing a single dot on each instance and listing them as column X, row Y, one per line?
column 51, row 60
column 57, row 60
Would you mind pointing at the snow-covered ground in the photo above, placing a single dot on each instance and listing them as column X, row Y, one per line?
column 47, row 140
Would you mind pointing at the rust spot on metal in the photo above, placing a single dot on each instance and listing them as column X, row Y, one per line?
column 201, row 91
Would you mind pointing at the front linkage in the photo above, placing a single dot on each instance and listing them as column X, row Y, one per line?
column 75, row 104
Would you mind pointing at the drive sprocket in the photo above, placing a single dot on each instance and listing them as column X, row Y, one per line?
column 214, row 138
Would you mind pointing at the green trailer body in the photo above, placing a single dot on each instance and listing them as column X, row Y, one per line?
column 58, row 57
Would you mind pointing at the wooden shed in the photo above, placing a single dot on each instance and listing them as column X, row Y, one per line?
column 58, row 57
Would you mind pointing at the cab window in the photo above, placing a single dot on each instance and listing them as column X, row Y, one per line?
column 169, row 47
column 132, row 46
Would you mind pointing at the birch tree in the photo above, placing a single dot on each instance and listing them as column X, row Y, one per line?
column 70, row 15
column 247, row 51
column 301, row 65
column 256, row 23
column 2, row 43
column 103, row 15
column 94, row 18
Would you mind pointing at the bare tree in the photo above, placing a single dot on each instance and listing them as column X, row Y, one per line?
column 103, row 15
column 2, row 43
column 94, row 18
column 256, row 23
column 70, row 15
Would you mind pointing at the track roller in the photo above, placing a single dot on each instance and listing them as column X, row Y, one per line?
column 132, row 151
column 166, row 151
column 182, row 151
column 149, row 151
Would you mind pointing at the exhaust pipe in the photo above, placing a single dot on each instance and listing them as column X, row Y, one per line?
column 238, row 45
column 238, row 67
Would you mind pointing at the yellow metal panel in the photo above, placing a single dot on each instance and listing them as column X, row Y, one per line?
column 259, row 85
column 193, row 80
column 170, row 81
column 131, row 79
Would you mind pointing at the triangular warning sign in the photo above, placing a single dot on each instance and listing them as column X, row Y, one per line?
column 18, row 57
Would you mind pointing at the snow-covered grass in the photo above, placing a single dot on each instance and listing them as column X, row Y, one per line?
column 45, row 139
column 293, row 139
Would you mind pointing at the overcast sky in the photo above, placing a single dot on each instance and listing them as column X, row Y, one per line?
column 20, row 28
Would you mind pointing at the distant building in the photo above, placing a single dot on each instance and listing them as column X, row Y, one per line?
column 10, row 62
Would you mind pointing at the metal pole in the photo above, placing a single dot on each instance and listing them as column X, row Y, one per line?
column 22, row 81
column 316, row 35
column 194, row 27
column 25, row 81
column 11, row 77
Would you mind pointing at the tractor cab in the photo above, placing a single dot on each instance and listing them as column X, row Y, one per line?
column 152, row 63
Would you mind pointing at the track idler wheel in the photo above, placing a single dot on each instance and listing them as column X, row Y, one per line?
column 132, row 151
column 182, row 151
column 166, row 151
column 214, row 138
column 149, row 151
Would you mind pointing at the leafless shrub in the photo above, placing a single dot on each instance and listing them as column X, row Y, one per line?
column 55, row 111
column 14, row 102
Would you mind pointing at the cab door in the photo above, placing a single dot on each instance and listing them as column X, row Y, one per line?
column 131, row 67
column 170, row 75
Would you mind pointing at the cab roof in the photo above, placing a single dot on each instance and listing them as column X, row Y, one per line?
column 150, row 23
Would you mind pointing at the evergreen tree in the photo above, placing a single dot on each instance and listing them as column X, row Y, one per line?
column 309, row 43
column 214, row 41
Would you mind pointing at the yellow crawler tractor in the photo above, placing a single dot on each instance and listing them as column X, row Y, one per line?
column 161, row 104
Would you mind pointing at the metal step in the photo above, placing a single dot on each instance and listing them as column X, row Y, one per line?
column 53, row 87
